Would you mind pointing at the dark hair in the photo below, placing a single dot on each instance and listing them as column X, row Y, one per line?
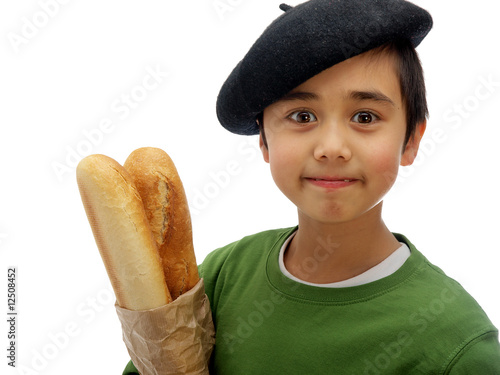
column 260, row 121
column 411, row 82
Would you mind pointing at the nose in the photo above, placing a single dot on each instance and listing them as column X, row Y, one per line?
column 332, row 142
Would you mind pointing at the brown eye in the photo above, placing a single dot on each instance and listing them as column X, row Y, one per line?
column 302, row 117
column 364, row 117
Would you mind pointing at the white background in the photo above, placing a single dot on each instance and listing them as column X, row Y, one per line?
column 65, row 70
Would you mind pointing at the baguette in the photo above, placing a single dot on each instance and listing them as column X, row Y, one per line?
column 122, row 233
column 162, row 193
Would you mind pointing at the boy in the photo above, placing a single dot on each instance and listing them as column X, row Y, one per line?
column 336, row 91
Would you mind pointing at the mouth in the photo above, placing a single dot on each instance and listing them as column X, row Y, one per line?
column 332, row 182
column 332, row 179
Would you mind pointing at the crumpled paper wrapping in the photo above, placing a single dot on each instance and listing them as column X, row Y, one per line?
column 177, row 338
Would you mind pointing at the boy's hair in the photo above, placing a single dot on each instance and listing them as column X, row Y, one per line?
column 411, row 82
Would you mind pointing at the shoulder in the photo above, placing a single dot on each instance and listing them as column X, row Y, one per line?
column 251, row 246
column 240, row 261
column 440, row 309
column 443, row 295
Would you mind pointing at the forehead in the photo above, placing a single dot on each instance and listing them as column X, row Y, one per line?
column 372, row 70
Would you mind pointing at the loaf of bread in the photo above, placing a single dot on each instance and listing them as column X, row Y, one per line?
column 165, row 203
column 121, row 230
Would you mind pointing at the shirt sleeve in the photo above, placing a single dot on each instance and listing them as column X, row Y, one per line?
column 481, row 356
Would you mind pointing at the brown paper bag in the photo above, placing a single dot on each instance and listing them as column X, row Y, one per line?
column 177, row 338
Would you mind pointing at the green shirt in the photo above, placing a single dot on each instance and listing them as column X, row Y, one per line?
column 415, row 321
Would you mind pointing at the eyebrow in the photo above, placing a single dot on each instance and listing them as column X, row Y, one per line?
column 373, row 95
column 299, row 95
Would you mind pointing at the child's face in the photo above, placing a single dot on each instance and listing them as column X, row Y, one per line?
column 335, row 142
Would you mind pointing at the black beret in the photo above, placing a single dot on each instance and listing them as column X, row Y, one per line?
column 304, row 41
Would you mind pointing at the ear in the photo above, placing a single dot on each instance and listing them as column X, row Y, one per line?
column 263, row 148
column 411, row 149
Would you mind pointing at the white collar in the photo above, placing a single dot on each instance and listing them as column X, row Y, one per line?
column 385, row 268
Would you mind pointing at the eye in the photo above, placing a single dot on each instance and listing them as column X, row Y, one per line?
column 364, row 117
column 302, row 117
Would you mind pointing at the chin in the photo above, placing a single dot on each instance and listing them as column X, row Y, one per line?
column 330, row 216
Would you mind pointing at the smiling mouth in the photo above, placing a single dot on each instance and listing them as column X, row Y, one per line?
column 332, row 182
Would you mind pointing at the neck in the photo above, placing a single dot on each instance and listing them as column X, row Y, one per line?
column 326, row 253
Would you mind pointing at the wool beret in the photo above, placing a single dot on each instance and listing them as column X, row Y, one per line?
column 305, row 40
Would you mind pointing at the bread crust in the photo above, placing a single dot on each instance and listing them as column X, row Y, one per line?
column 165, row 203
column 122, row 233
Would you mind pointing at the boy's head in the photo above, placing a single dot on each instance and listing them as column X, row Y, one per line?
column 338, row 91
column 315, row 35
column 336, row 141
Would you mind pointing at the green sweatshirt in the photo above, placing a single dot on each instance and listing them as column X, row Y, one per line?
column 415, row 321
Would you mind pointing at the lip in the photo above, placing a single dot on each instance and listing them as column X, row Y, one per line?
column 329, row 182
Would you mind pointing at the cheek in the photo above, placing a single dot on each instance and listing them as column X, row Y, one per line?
column 385, row 167
column 284, row 162
column 280, row 161
column 281, row 149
